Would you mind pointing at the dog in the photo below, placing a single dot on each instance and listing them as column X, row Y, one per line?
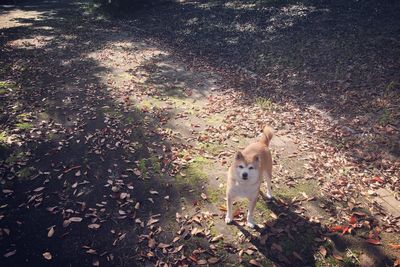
column 246, row 174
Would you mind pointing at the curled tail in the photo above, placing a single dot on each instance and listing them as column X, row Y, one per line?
column 266, row 136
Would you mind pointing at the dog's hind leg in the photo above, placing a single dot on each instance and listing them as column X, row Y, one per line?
column 268, row 177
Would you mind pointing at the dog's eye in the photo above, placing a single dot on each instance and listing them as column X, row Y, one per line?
column 251, row 167
column 240, row 166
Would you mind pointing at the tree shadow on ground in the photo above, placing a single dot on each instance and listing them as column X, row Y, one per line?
column 293, row 239
column 77, row 160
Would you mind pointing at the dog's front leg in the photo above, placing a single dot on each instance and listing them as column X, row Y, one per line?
column 229, row 207
column 252, row 204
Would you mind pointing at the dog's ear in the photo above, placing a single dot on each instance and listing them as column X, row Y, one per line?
column 239, row 156
column 256, row 158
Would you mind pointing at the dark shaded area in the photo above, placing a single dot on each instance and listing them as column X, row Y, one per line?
column 79, row 154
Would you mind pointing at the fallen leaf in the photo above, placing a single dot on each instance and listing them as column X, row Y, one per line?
column 38, row 189
column 152, row 221
column 213, row 260
column 255, row 263
column 201, row 262
column 273, row 215
column 337, row 256
column 217, row 238
column 151, row 243
column 9, row 254
column 163, row 245
column 203, row 196
column 336, row 228
column 95, row 262
column 47, row 255
column 394, row 246
column 75, row 219
column 353, row 220
column 323, row 251
column 94, row 226
column 50, row 233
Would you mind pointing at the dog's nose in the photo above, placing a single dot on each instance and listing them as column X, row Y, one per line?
column 245, row 175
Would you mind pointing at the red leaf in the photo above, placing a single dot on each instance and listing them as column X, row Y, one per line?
column 345, row 230
column 336, row 228
column 353, row 220
column 378, row 179
column 237, row 212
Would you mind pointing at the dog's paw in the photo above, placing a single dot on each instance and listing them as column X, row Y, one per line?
column 228, row 220
column 250, row 224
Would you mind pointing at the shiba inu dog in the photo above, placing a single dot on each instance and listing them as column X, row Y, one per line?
column 246, row 174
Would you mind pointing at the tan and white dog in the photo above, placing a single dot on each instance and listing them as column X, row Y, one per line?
column 246, row 174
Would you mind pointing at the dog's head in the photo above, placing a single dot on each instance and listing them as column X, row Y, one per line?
column 246, row 169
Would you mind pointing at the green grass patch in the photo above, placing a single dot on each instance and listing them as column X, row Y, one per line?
column 3, row 137
column 194, row 173
column 24, row 126
column 265, row 103
column 211, row 148
column 4, row 85
column 216, row 195
column 286, row 192
column 25, row 173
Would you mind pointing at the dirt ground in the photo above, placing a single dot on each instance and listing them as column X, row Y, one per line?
column 116, row 133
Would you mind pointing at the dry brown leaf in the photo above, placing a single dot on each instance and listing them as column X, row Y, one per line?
column 337, row 256
column 9, row 254
column 323, row 251
column 163, row 245
column 91, row 251
column 151, row 243
column 75, row 219
column 255, row 263
column 213, row 260
column 50, row 233
column 94, row 226
column 47, row 255
column 202, row 262
column 217, row 238
column 394, row 246
column 66, row 223
column 38, row 189
column 203, row 196
column 95, row 262
column 152, row 221
column 273, row 215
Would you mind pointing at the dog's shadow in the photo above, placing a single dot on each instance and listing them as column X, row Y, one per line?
column 291, row 239
column 287, row 240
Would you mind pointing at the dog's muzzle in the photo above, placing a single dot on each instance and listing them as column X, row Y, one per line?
column 245, row 176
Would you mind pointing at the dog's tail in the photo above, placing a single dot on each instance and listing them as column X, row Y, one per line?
column 266, row 136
